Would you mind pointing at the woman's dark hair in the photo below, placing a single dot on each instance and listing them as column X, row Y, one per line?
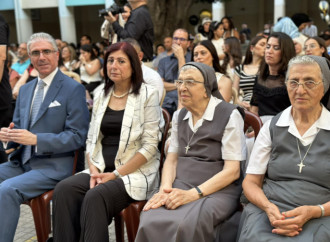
column 248, row 53
column 89, row 49
column 136, row 78
column 321, row 43
column 287, row 52
column 213, row 27
column 128, row 5
column 96, row 50
column 231, row 24
column 158, row 46
column 60, row 62
column 210, row 47
column 234, row 51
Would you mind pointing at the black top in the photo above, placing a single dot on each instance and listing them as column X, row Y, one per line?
column 111, row 128
column 270, row 96
column 5, row 89
column 139, row 26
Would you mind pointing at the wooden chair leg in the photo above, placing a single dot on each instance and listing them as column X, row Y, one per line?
column 41, row 216
column 131, row 223
column 131, row 216
column 119, row 228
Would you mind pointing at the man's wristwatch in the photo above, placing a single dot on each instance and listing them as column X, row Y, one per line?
column 116, row 173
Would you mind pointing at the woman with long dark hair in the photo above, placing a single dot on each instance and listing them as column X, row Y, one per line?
column 230, row 30
column 233, row 58
column 216, row 36
column 245, row 74
column 121, row 151
column 90, row 67
column 269, row 94
column 204, row 52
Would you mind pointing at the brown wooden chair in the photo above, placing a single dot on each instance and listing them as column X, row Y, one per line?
column 131, row 214
column 40, row 207
column 252, row 120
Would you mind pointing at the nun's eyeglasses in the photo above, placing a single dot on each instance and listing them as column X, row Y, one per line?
column 308, row 85
column 187, row 83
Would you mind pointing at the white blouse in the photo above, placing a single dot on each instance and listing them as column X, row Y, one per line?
column 262, row 147
column 233, row 136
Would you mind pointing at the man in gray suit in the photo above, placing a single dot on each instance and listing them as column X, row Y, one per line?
column 50, row 122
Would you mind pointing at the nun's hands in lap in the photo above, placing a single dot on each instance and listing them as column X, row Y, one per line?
column 158, row 199
column 295, row 219
column 274, row 216
column 178, row 197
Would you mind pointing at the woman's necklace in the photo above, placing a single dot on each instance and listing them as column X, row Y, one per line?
column 301, row 164
column 119, row 96
column 188, row 147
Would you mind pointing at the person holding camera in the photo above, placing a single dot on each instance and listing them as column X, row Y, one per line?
column 139, row 26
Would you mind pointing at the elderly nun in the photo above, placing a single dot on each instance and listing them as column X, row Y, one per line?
column 201, row 179
column 288, row 176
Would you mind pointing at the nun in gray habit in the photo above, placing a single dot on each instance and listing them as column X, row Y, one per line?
column 201, row 178
column 288, row 176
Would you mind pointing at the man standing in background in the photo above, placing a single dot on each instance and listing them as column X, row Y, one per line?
column 138, row 26
column 5, row 90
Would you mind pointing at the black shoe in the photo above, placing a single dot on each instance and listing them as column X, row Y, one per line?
column 50, row 239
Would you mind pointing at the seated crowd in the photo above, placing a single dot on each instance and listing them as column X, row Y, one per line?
column 105, row 101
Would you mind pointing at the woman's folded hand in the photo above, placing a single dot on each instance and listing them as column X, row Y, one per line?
column 99, row 178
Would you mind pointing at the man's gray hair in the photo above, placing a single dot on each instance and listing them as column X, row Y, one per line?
column 41, row 37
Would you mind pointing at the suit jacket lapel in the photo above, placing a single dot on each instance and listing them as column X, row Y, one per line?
column 127, row 123
column 50, row 96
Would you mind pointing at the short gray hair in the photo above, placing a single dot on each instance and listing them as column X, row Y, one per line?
column 134, row 43
column 304, row 60
column 188, row 67
column 41, row 37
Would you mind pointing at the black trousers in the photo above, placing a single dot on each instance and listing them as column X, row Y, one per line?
column 83, row 214
column 91, row 86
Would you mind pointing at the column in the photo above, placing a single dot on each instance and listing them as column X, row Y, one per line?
column 279, row 9
column 67, row 22
column 218, row 11
column 23, row 22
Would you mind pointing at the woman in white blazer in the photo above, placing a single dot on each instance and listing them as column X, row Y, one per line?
column 121, row 152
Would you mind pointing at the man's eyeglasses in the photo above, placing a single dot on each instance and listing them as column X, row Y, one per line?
column 187, row 83
column 47, row 52
column 181, row 39
column 292, row 84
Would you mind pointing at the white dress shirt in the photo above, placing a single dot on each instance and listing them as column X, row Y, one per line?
column 47, row 80
column 233, row 136
column 152, row 78
column 262, row 147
